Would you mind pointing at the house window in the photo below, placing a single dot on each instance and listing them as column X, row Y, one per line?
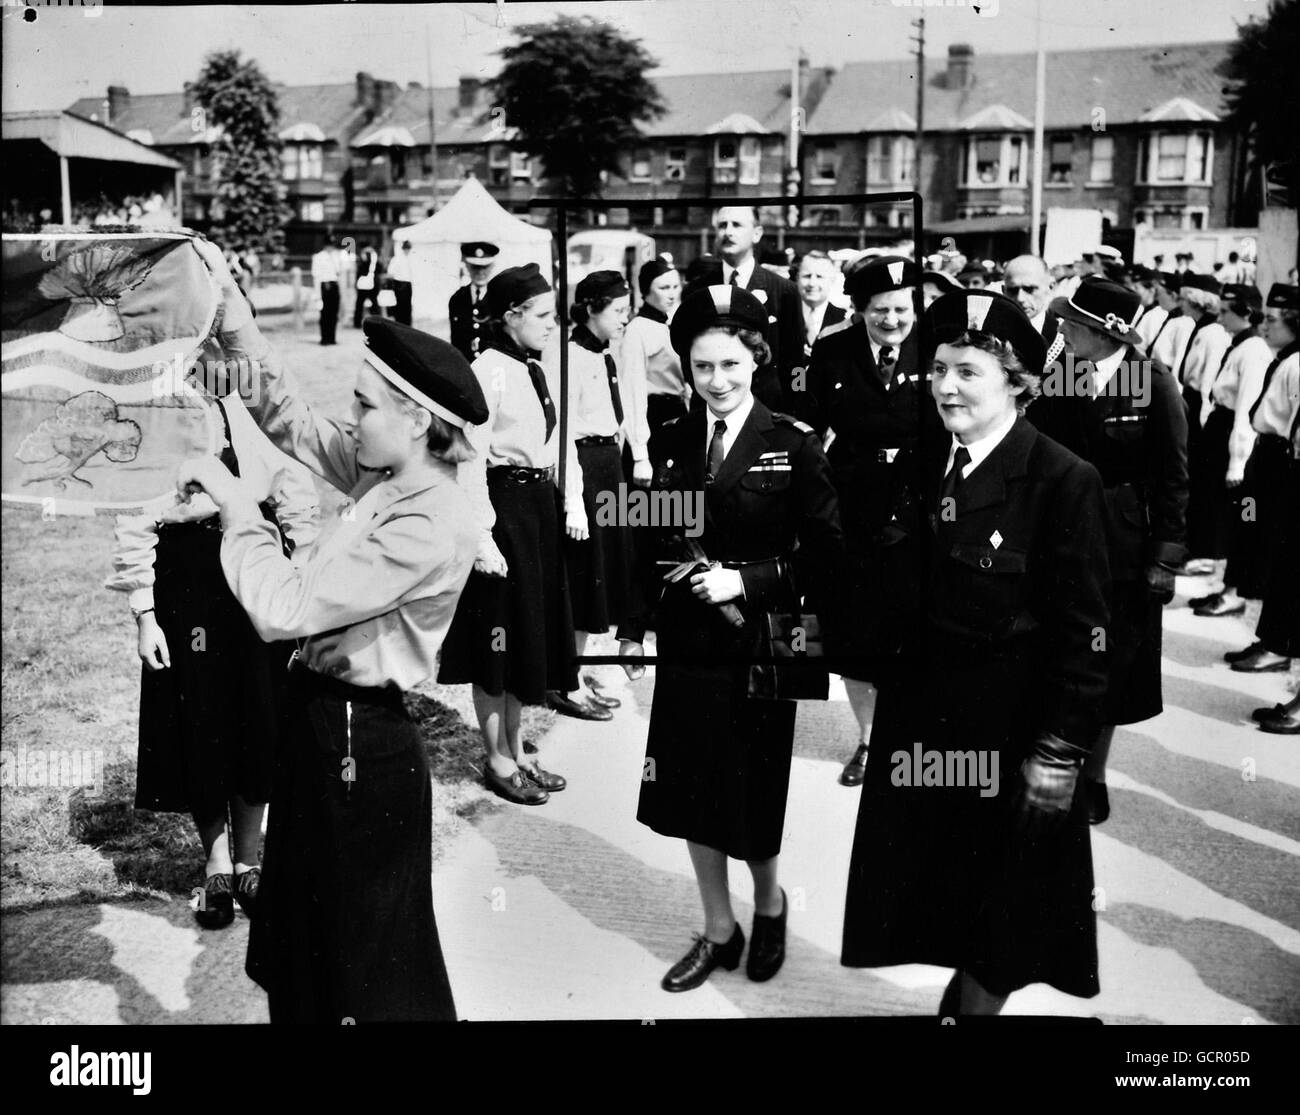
column 498, row 156
column 1176, row 157
column 301, row 161
column 675, row 165
column 994, row 161
column 725, row 159
column 640, row 165
column 988, row 160
column 397, row 160
column 1060, row 154
column 825, row 168
column 889, row 160
column 1102, row 166
column 751, row 161
column 521, row 166
column 311, row 210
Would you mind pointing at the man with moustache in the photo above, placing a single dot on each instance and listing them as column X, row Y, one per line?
column 1132, row 426
column 738, row 232
column 815, row 276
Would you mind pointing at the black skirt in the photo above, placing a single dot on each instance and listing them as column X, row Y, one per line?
column 1279, row 622
column 717, row 767
column 208, row 723
column 344, row 927
column 937, row 875
column 601, row 569
column 515, row 634
column 1253, row 543
column 1211, row 505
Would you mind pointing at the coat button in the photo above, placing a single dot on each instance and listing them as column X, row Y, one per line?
column 986, row 562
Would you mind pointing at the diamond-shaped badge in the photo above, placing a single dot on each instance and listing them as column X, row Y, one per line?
column 996, row 539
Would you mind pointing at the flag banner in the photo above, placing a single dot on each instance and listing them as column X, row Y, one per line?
column 96, row 333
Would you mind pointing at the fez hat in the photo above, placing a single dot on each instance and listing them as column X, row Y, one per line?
column 709, row 306
column 1102, row 305
column 1283, row 296
column 987, row 312
column 513, row 287
column 426, row 369
column 650, row 271
column 478, row 252
column 876, row 276
column 600, row 285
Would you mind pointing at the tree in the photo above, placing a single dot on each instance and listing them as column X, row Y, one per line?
column 1263, row 95
column 240, row 103
column 576, row 90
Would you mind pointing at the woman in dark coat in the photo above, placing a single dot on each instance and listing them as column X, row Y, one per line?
column 972, row 848
column 718, row 762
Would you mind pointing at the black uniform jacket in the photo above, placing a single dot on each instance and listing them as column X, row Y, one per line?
column 469, row 323
column 1136, row 436
column 772, row 507
column 785, row 337
column 1017, row 571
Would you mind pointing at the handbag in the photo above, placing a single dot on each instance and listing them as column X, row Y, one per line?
column 789, row 652
column 365, row 282
column 387, row 299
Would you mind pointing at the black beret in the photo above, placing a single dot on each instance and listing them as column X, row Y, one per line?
column 983, row 311
column 704, row 270
column 1248, row 293
column 1140, row 274
column 1207, row 283
column 1283, row 296
column 513, row 287
column 426, row 369
column 1172, row 281
column 650, row 271
column 478, row 251
column 876, row 276
column 709, row 306
column 600, row 285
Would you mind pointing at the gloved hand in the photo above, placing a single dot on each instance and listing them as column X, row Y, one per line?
column 1048, row 777
column 1160, row 583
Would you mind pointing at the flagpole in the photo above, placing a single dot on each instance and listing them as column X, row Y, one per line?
column 1040, row 75
column 433, row 134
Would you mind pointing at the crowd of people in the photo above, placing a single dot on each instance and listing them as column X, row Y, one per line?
column 974, row 504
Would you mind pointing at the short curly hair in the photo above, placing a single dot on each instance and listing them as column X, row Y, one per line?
column 1016, row 372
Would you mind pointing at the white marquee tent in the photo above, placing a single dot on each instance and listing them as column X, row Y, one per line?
column 472, row 214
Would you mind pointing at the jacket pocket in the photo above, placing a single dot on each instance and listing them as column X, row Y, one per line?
column 983, row 589
column 766, row 480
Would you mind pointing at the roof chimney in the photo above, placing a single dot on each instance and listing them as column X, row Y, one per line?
column 961, row 66
column 119, row 101
column 365, row 90
column 468, row 94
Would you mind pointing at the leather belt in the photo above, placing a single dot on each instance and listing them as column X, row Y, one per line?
column 597, row 439
column 517, row 474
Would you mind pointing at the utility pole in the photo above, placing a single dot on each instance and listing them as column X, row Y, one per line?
column 433, row 132
column 792, row 162
column 919, row 39
column 1040, row 93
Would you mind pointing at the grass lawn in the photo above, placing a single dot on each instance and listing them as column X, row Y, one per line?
column 71, row 682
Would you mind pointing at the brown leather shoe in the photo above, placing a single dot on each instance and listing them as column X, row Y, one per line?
column 856, row 768
column 517, row 788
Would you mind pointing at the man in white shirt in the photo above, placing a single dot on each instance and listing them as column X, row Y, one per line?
column 399, row 276
column 325, row 278
column 816, row 275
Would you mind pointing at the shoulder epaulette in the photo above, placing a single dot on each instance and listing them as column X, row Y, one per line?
column 802, row 427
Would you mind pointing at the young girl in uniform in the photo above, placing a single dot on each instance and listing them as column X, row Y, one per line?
column 345, row 930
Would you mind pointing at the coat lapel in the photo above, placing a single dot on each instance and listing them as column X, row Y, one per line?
column 750, row 442
column 987, row 485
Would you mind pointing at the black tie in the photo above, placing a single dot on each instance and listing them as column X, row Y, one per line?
column 538, row 377
column 715, row 451
column 735, row 278
column 614, row 396
column 887, row 362
column 473, row 295
column 951, row 482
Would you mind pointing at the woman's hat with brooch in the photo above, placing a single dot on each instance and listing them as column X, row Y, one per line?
column 600, row 285
column 1283, row 296
column 426, row 369
column 1246, row 294
column 880, row 275
column 987, row 312
column 513, row 287
column 712, row 306
column 1105, row 306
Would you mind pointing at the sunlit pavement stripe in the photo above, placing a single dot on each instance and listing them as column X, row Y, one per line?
column 1118, row 780
column 1203, row 737
column 1265, row 689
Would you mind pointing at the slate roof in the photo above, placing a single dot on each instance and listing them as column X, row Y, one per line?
column 1126, row 82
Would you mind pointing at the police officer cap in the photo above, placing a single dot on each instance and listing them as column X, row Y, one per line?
column 478, row 252
column 710, row 306
column 1207, row 283
column 513, row 287
column 987, row 312
column 1283, row 296
column 426, row 369
column 1246, row 293
column 600, row 285
column 650, row 271
column 876, row 276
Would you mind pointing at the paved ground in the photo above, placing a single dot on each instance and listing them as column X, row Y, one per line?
column 573, row 910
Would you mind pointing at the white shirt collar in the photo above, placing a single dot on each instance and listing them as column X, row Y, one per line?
column 745, row 271
column 735, row 420
column 978, row 450
column 1104, row 370
column 813, row 318
column 1039, row 321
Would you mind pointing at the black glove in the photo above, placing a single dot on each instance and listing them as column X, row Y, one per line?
column 1048, row 777
column 1160, row 583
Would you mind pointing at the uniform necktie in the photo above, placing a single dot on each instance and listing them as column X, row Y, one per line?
column 886, row 365
column 735, row 278
column 614, row 397
column 543, row 395
column 473, row 295
column 951, row 482
column 715, row 451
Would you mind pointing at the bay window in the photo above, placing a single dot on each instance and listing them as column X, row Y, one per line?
column 889, row 159
column 1183, row 156
column 994, row 160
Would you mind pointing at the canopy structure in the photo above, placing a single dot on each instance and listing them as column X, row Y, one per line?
column 471, row 215
column 64, row 136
